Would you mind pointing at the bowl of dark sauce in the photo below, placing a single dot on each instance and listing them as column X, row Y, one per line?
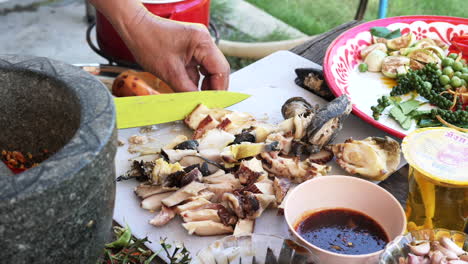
column 342, row 231
column 344, row 219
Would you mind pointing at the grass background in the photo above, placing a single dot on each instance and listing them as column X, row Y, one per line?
column 317, row 16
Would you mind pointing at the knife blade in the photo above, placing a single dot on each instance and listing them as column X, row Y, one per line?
column 136, row 111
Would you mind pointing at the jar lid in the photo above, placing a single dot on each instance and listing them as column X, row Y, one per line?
column 439, row 153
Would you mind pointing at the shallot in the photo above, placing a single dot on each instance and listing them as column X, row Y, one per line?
column 442, row 251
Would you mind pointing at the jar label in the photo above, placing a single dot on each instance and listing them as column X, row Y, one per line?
column 439, row 153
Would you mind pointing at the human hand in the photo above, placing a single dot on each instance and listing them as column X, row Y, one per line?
column 175, row 52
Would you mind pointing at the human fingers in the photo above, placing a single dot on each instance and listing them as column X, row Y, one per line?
column 215, row 82
column 213, row 65
column 180, row 81
column 193, row 73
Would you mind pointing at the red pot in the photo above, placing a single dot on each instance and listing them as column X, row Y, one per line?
column 110, row 43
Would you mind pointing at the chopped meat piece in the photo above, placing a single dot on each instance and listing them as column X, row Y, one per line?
column 207, row 228
column 163, row 217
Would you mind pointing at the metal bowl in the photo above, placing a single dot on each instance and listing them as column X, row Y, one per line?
column 255, row 248
column 397, row 248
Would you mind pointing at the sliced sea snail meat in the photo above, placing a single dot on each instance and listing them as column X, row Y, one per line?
column 163, row 217
column 250, row 171
column 265, row 200
column 299, row 149
column 301, row 123
column 284, row 141
column 139, row 170
column 281, row 188
column 226, row 216
column 183, row 194
column 207, row 228
column 219, row 189
column 201, row 215
column 215, row 139
column 292, row 168
column 145, row 190
column 327, row 122
column 321, row 157
column 181, row 178
column 154, row 202
column 162, row 169
column 373, row 158
column 175, row 155
column 192, row 205
column 244, row 227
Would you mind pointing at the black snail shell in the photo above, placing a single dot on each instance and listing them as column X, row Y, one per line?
column 188, row 144
column 312, row 79
column 245, row 136
column 295, row 106
column 327, row 122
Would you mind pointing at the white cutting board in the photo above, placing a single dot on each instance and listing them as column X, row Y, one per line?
column 270, row 81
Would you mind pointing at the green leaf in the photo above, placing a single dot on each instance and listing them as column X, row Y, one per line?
column 395, row 99
column 380, row 32
column 394, row 34
column 150, row 259
column 419, row 114
column 397, row 114
column 428, row 123
column 407, row 123
column 383, row 32
column 408, row 106
column 400, row 117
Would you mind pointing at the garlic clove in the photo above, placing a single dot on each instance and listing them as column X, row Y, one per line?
column 437, row 257
column 421, row 249
column 450, row 245
column 457, row 261
column 448, row 253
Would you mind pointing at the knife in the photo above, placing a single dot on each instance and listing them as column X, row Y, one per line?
column 136, row 111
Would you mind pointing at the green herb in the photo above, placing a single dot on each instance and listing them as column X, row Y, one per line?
column 403, row 112
column 383, row 32
column 428, row 123
column 180, row 255
column 398, row 114
column 407, row 123
column 129, row 250
column 420, row 114
column 124, row 237
column 394, row 34
column 409, row 106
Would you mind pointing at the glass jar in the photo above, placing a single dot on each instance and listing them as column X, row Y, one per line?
column 438, row 179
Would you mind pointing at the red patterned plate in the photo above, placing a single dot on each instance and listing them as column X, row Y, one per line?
column 343, row 57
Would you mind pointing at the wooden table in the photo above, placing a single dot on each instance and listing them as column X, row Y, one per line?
column 315, row 50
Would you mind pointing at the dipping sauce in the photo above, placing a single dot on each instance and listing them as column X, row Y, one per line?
column 342, row 231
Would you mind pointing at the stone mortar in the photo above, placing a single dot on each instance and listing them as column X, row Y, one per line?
column 60, row 211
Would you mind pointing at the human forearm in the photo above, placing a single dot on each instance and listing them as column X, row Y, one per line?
column 121, row 13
